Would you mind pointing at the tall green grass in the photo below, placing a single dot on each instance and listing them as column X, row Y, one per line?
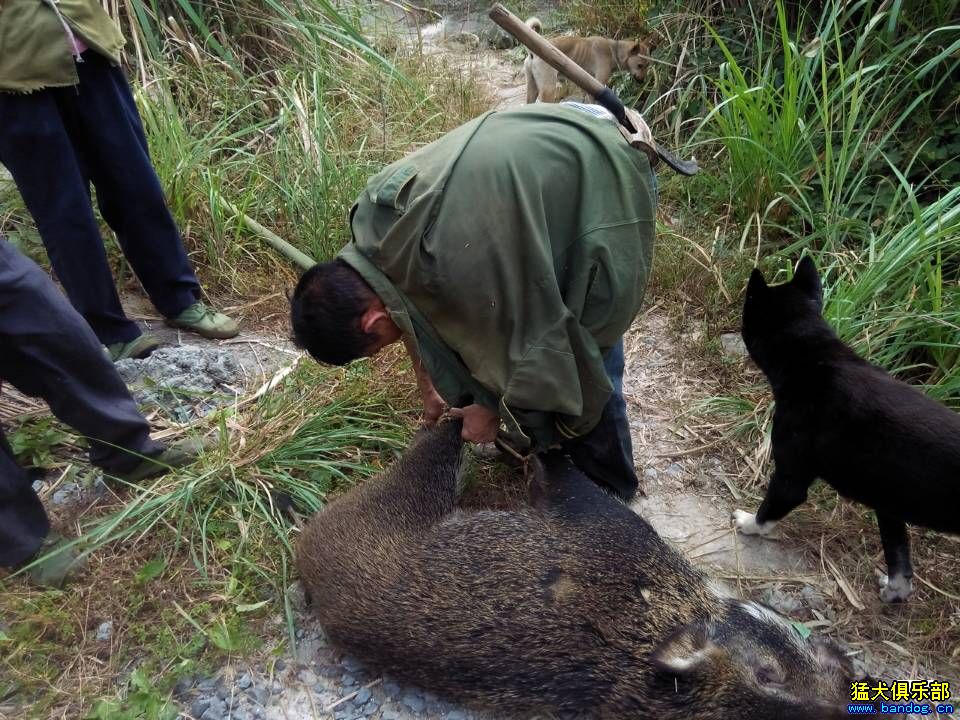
column 819, row 127
column 897, row 299
column 805, row 125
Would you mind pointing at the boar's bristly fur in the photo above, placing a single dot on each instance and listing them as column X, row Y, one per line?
column 572, row 605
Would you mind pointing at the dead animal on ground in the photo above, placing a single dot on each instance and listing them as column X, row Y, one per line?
column 875, row 439
column 572, row 605
column 599, row 56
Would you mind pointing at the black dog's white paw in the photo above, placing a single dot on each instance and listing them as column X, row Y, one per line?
column 747, row 523
column 899, row 588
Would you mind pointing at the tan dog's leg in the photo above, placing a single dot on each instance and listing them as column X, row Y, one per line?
column 546, row 79
column 532, row 89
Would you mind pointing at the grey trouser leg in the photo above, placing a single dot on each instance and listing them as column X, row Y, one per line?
column 49, row 351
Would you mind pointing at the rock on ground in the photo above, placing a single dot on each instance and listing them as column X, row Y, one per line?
column 186, row 380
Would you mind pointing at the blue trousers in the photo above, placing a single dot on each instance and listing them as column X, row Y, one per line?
column 48, row 351
column 55, row 142
column 605, row 454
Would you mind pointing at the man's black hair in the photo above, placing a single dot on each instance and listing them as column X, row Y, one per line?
column 325, row 312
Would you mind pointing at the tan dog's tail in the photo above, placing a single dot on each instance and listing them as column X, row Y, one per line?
column 535, row 24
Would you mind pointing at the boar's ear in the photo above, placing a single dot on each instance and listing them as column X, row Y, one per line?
column 685, row 650
column 807, row 279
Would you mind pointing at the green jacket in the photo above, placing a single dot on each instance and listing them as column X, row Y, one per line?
column 515, row 250
column 34, row 50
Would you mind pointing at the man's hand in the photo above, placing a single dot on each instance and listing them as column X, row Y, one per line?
column 479, row 423
column 433, row 406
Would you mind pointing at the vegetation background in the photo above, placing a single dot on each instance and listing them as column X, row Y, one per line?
column 826, row 127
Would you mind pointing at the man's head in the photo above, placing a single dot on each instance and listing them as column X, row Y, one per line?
column 337, row 317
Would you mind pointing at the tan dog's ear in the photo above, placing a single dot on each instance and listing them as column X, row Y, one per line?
column 647, row 45
column 636, row 48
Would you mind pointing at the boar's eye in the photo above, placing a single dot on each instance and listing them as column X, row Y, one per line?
column 769, row 676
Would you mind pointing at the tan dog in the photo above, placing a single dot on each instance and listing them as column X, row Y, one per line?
column 599, row 56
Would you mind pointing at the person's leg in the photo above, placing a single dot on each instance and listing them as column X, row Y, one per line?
column 23, row 522
column 50, row 352
column 104, row 123
column 605, row 454
column 37, row 150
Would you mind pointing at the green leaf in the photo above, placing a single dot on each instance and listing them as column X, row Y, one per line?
column 104, row 710
column 802, row 630
column 251, row 607
column 139, row 680
column 151, row 570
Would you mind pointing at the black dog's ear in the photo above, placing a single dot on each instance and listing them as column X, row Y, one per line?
column 807, row 279
column 757, row 283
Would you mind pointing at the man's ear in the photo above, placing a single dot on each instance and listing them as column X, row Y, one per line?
column 807, row 279
column 371, row 316
column 686, row 650
column 757, row 284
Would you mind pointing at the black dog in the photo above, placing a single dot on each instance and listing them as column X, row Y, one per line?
column 839, row 418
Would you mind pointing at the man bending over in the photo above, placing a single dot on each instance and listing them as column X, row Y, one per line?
column 510, row 256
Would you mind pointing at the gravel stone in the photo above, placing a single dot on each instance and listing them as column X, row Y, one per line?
column 66, row 493
column 244, row 681
column 105, row 631
column 363, row 695
column 351, row 663
column 732, row 345
column 348, row 680
column 782, row 600
column 297, row 597
column 199, row 705
column 214, row 711
column 414, row 700
column 674, row 470
column 183, row 686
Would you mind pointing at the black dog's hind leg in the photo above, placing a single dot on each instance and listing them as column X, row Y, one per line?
column 785, row 493
column 897, row 585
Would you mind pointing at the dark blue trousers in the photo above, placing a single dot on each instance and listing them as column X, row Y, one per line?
column 55, row 142
column 48, row 351
column 605, row 454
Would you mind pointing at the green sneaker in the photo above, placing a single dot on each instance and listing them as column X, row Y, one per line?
column 57, row 564
column 138, row 348
column 177, row 455
column 206, row 322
